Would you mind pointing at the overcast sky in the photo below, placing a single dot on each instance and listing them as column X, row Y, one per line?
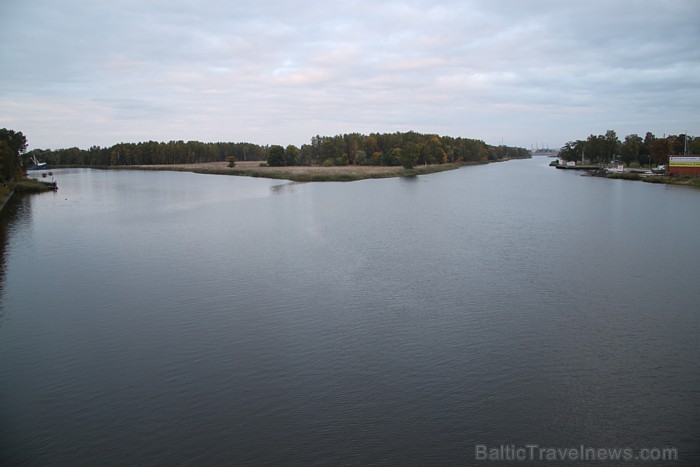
column 86, row 72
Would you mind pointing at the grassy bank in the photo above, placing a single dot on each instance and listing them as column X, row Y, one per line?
column 24, row 186
column 30, row 186
column 300, row 173
column 685, row 181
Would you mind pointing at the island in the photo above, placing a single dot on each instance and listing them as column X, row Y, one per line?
column 345, row 157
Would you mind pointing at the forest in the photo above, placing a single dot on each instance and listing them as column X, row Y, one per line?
column 633, row 150
column 407, row 148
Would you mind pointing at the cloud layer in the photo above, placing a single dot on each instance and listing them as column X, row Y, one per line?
column 82, row 73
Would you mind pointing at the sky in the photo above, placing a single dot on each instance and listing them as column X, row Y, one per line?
column 515, row 72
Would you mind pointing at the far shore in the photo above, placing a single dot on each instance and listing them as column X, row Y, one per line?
column 300, row 173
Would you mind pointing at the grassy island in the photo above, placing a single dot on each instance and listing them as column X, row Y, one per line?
column 303, row 173
column 343, row 157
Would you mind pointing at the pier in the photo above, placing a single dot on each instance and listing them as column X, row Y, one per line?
column 578, row 167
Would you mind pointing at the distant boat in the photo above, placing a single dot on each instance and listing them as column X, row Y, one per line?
column 36, row 165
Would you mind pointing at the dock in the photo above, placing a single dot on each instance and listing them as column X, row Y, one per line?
column 53, row 186
column 590, row 168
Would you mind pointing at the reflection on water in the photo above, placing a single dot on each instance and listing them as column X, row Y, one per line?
column 284, row 188
column 8, row 218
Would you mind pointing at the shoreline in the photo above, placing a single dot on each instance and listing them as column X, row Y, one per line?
column 27, row 186
column 663, row 179
column 600, row 172
column 5, row 196
column 347, row 173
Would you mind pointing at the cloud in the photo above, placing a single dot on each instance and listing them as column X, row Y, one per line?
column 279, row 72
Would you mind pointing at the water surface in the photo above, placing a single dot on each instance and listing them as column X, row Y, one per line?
column 156, row 318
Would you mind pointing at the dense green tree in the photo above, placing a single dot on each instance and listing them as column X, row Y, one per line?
column 275, row 156
column 12, row 145
column 602, row 148
column 291, row 155
column 393, row 157
column 316, row 142
column 645, row 150
column 629, row 150
column 679, row 143
column 306, row 154
column 659, row 151
column 15, row 140
column 9, row 163
column 370, row 145
column 694, row 146
column 572, row 151
column 328, row 151
column 611, row 146
column 595, row 148
column 409, row 155
column 352, row 145
column 433, row 151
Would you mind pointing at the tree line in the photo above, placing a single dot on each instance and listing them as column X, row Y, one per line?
column 407, row 148
column 151, row 153
column 392, row 149
column 632, row 150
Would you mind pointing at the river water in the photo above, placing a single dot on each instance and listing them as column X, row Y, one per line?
column 159, row 318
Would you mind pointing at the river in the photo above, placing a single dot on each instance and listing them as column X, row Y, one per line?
column 158, row 318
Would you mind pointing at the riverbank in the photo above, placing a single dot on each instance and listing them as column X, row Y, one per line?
column 635, row 174
column 665, row 179
column 345, row 173
column 25, row 186
column 31, row 185
column 6, row 193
